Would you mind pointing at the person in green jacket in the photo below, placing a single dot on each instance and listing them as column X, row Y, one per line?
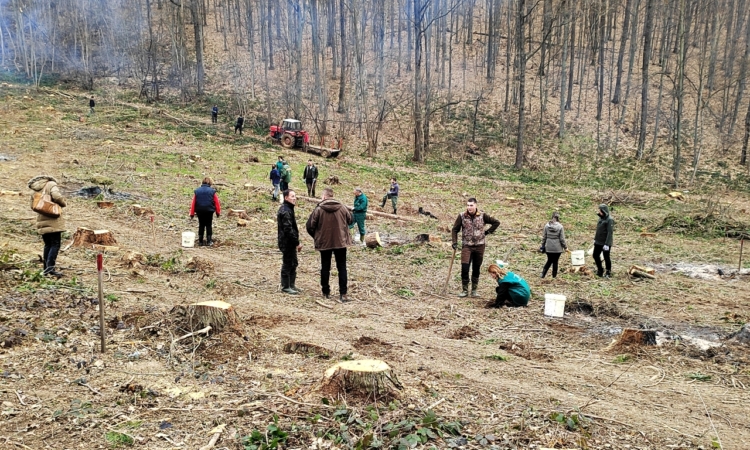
column 603, row 241
column 512, row 290
column 359, row 212
column 286, row 176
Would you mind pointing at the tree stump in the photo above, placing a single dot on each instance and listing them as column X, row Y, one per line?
column 241, row 223
column 239, row 213
column 364, row 377
column 132, row 260
column 631, row 337
column 372, row 240
column 86, row 236
column 213, row 313
column 333, row 179
column 139, row 210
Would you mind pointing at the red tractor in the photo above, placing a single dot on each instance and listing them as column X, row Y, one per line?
column 291, row 135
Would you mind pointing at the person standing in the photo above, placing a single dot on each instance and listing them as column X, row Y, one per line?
column 328, row 225
column 286, row 176
column 288, row 241
column 205, row 204
column 280, row 163
column 392, row 195
column 471, row 223
column 311, row 177
column 603, row 241
column 359, row 213
column 51, row 228
column 214, row 114
column 275, row 178
column 92, row 104
column 240, row 123
column 553, row 243
column 511, row 289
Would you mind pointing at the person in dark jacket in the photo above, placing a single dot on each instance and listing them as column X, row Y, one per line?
column 328, row 225
column 205, row 204
column 214, row 114
column 471, row 223
column 51, row 228
column 359, row 213
column 603, row 241
column 392, row 195
column 311, row 177
column 553, row 243
column 288, row 241
column 240, row 123
column 275, row 178
column 512, row 290
column 92, row 104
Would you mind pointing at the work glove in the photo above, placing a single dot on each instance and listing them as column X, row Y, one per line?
column 606, row 248
column 455, row 245
column 542, row 249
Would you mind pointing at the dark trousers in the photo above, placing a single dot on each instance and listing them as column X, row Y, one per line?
column 51, row 249
column 283, row 185
column 311, row 187
column 504, row 299
column 552, row 259
column 238, row 127
column 598, row 252
column 325, row 270
column 214, row 117
column 289, row 264
column 471, row 256
column 204, row 223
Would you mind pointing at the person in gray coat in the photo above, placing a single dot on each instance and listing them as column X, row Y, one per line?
column 553, row 243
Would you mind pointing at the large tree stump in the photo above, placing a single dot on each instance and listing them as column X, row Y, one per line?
column 364, row 377
column 87, row 237
column 372, row 240
column 139, row 210
column 239, row 213
column 213, row 313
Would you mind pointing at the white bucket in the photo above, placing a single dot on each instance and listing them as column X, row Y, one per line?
column 577, row 258
column 554, row 305
column 188, row 239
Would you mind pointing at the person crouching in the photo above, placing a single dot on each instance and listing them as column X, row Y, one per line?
column 512, row 290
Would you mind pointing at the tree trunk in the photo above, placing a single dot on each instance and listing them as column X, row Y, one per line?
column 647, row 35
column 342, row 78
column 621, row 51
column 521, row 58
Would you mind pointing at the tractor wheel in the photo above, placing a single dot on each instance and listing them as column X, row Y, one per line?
column 325, row 153
column 287, row 140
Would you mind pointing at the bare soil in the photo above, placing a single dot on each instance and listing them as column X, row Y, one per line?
column 513, row 373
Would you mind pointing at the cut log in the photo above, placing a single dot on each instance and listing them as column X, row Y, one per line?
column 642, row 272
column 105, row 248
column 214, row 313
column 372, row 240
column 581, row 270
column 365, row 377
column 132, row 260
column 4, row 192
column 87, row 237
column 139, row 210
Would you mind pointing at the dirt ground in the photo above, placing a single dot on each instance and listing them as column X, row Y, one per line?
column 513, row 378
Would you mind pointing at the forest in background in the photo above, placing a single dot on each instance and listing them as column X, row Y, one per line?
column 633, row 77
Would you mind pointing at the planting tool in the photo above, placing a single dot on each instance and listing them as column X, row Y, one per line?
column 450, row 269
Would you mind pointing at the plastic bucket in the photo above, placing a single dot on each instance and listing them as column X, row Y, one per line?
column 577, row 258
column 554, row 305
column 188, row 239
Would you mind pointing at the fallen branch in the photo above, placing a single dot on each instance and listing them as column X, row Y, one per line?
column 18, row 394
column 81, row 383
column 323, row 304
column 201, row 331
column 217, row 432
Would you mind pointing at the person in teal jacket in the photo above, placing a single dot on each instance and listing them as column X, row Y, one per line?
column 512, row 290
column 359, row 212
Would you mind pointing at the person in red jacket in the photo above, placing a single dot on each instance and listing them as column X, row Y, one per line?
column 205, row 204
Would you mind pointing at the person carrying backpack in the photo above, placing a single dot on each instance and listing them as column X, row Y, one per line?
column 286, row 176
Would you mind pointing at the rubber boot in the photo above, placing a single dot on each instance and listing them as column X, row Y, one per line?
column 292, row 285
column 209, row 242
column 474, row 284
column 362, row 239
column 285, row 286
column 394, row 211
column 464, row 289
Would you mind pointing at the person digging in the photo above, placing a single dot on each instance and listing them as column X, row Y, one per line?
column 471, row 223
column 511, row 289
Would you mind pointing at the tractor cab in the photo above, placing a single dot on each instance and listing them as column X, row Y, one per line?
column 291, row 125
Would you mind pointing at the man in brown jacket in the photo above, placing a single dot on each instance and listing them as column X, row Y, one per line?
column 329, row 226
column 472, row 223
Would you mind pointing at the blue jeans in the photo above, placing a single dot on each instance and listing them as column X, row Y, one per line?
column 275, row 191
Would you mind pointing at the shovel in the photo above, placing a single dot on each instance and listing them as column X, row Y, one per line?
column 450, row 269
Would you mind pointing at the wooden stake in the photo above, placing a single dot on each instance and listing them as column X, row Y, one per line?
column 450, row 269
column 742, row 244
column 102, row 330
column 153, row 231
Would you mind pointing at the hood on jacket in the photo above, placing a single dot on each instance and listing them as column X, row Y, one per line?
column 330, row 205
column 552, row 225
column 38, row 183
column 605, row 210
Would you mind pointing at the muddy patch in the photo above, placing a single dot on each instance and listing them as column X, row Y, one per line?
column 372, row 346
column 419, row 323
column 265, row 322
column 465, row 332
